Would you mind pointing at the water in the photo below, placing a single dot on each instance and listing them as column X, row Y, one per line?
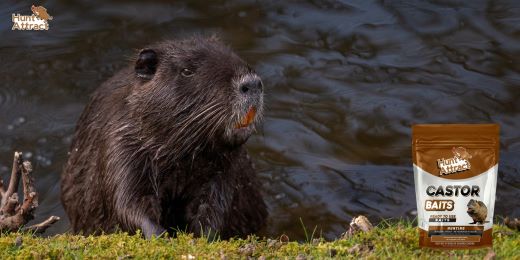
column 344, row 82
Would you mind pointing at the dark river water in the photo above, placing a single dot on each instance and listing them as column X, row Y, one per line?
column 344, row 82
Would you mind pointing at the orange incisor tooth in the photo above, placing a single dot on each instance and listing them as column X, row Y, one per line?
column 248, row 119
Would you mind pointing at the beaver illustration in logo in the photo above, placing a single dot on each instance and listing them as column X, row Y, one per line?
column 477, row 210
column 461, row 153
column 41, row 12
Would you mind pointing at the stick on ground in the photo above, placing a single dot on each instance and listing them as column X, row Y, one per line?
column 13, row 215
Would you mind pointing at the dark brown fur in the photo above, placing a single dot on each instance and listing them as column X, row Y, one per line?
column 159, row 151
column 477, row 210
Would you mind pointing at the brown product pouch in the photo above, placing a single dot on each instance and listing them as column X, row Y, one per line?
column 455, row 169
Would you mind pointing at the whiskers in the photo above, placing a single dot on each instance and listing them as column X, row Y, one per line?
column 191, row 132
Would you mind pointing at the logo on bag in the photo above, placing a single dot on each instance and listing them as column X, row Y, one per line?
column 38, row 21
column 458, row 163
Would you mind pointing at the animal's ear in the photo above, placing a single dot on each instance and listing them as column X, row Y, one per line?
column 146, row 64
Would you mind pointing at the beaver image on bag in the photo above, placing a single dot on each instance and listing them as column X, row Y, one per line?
column 41, row 12
column 159, row 146
column 477, row 210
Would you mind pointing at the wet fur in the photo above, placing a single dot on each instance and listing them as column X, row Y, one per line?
column 158, row 155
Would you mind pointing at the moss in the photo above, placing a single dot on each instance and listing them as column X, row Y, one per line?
column 397, row 240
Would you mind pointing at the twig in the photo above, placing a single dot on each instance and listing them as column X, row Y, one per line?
column 15, row 175
column 2, row 190
column 41, row 227
column 14, row 215
column 9, row 208
column 358, row 224
column 28, row 183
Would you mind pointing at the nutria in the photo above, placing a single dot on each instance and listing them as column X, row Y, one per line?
column 41, row 12
column 477, row 210
column 461, row 153
column 159, row 146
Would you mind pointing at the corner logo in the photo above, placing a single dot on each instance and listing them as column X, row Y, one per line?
column 458, row 163
column 38, row 21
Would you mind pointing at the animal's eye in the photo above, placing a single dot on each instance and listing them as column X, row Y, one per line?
column 187, row 73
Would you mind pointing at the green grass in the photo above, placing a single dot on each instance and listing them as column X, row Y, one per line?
column 397, row 240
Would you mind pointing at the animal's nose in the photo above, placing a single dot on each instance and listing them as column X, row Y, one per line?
column 251, row 86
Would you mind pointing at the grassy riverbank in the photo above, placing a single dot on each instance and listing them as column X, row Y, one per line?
column 398, row 240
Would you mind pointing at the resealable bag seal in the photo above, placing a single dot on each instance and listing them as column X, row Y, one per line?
column 455, row 172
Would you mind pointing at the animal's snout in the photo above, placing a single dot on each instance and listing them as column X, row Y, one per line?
column 251, row 86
